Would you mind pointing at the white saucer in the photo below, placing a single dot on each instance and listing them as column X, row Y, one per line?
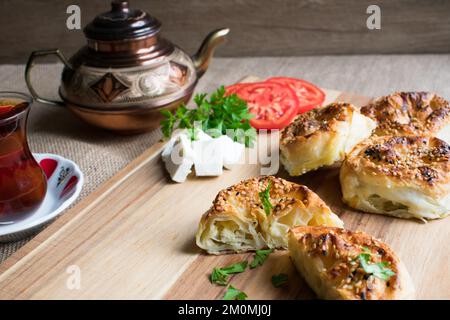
column 64, row 183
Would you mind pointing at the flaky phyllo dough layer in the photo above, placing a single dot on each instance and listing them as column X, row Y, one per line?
column 331, row 262
column 238, row 220
column 405, row 177
column 322, row 137
column 411, row 114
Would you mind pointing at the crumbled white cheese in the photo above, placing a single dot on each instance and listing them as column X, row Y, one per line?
column 208, row 155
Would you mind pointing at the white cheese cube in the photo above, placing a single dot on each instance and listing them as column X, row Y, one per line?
column 232, row 151
column 179, row 172
column 169, row 147
column 178, row 157
column 209, row 157
column 202, row 136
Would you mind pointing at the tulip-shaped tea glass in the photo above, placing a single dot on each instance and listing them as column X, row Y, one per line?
column 22, row 182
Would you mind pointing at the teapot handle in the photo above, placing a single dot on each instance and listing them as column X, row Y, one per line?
column 29, row 67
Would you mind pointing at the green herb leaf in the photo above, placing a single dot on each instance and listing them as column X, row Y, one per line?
column 168, row 123
column 260, row 257
column 264, row 196
column 234, row 294
column 279, row 280
column 220, row 275
column 193, row 133
column 378, row 270
column 220, row 113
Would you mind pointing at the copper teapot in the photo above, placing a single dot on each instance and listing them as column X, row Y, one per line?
column 127, row 73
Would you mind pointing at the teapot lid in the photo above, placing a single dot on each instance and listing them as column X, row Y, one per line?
column 122, row 23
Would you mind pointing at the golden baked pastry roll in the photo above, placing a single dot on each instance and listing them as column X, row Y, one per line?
column 257, row 213
column 342, row 265
column 411, row 113
column 322, row 137
column 405, row 177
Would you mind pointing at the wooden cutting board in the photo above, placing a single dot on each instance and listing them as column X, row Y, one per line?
column 133, row 238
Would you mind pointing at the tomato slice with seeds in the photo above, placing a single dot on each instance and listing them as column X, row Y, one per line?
column 234, row 87
column 309, row 96
column 274, row 105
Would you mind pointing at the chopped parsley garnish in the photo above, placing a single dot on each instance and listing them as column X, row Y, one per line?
column 378, row 270
column 279, row 280
column 260, row 257
column 220, row 275
column 264, row 196
column 234, row 294
column 218, row 115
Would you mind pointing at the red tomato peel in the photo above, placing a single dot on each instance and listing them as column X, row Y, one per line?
column 309, row 96
column 274, row 105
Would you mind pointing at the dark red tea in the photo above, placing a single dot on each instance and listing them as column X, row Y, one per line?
column 22, row 182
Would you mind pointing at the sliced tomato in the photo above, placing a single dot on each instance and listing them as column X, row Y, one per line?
column 234, row 87
column 274, row 105
column 309, row 96
column 5, row 109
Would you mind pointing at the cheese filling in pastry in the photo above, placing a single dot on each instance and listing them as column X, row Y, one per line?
column 343, row 265
column 322, row 137
column 257, row 213
column 405, row 177
column 411, row 113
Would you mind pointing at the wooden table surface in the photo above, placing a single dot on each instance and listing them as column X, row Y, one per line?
column 55, row 130
column 133, row 238
column 298, row 27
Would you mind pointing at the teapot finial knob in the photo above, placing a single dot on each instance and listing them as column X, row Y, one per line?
column 119, row 5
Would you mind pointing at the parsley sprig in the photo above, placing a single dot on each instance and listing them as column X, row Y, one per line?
column 234, row 294
column 215, row 116
column 264, row 196
column 378, row 270
column 279, row 280
column 260, row 257
column 220, row 275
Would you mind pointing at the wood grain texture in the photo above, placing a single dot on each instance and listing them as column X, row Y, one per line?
column 259, row 27
column 55, row 130
column 418, row 245
column 134, row 238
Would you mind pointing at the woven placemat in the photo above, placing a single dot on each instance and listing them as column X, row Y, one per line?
column 100, row 154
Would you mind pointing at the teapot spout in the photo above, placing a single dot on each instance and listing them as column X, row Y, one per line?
column 203, row 56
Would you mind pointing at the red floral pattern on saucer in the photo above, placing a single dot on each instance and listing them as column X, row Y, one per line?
column 64, row 183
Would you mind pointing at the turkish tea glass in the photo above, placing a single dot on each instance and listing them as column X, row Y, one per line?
column 23, row 184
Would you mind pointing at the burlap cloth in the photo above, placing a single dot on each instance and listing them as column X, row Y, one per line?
column 101, row 154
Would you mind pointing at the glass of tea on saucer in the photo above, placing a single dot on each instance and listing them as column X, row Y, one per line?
column 22, row 182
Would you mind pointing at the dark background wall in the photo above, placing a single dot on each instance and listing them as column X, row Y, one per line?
column 259, row 27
